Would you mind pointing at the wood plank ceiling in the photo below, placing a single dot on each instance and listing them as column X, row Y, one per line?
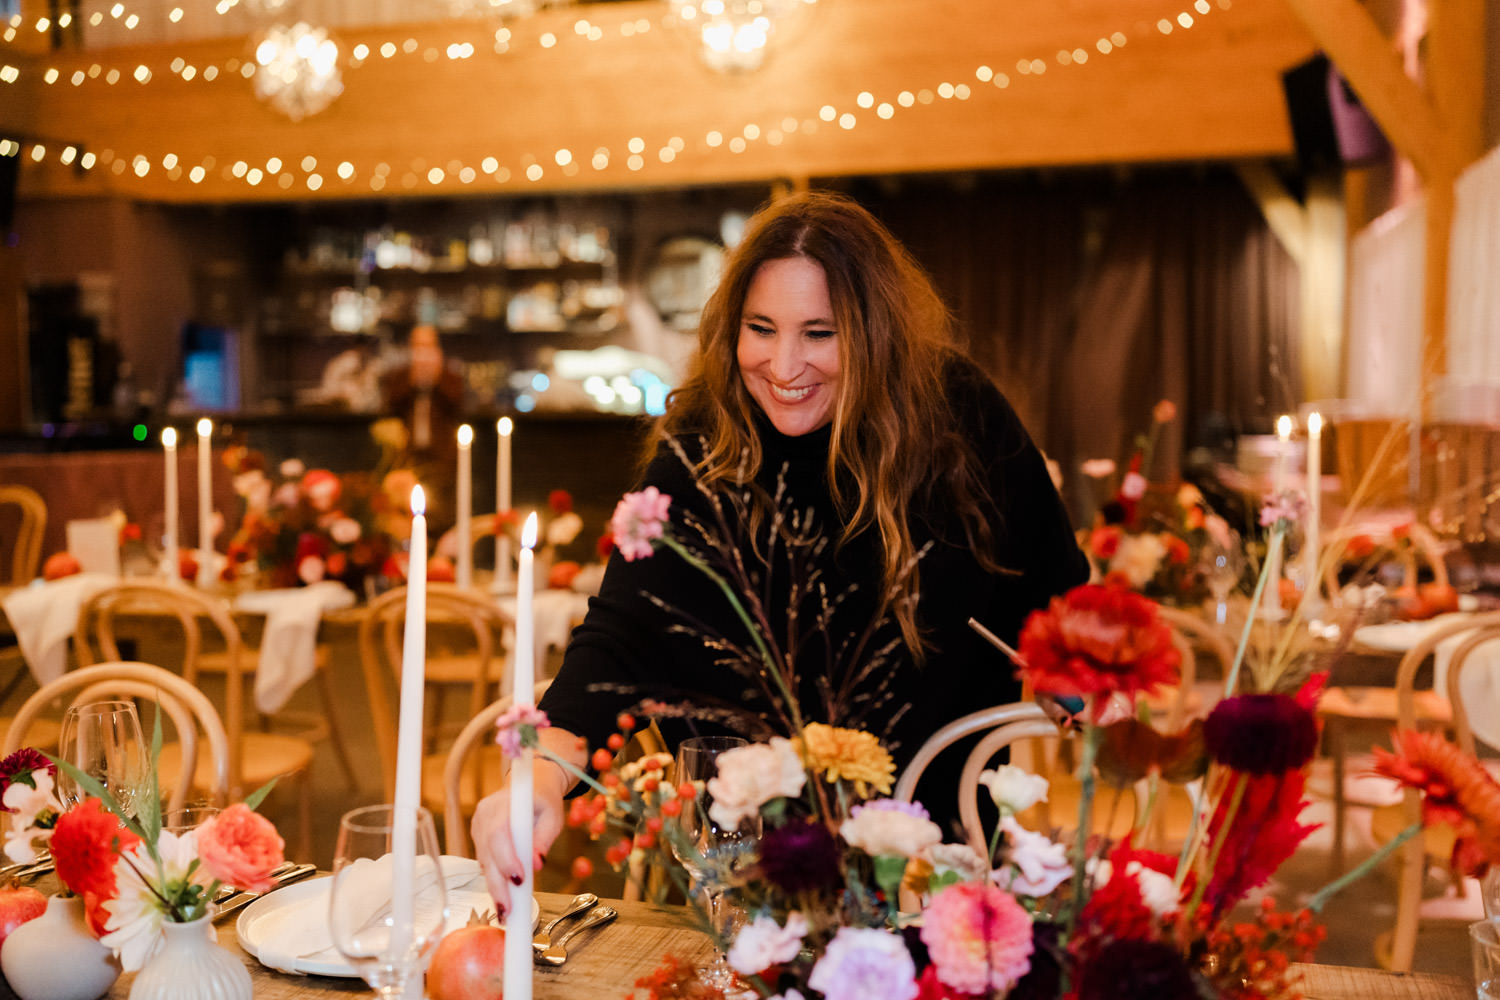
column 1031, row 84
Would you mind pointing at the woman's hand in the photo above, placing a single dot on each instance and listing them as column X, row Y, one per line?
column 491, row 825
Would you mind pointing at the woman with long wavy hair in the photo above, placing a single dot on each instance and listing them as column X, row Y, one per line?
column 826, row 402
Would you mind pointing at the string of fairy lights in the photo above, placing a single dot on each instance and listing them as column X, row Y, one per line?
column 312, row 174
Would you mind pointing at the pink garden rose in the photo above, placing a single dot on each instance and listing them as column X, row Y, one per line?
column 639, row 517
column 239, row 847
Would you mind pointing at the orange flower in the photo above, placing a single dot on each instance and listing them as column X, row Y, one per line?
column 240, row 847
column 1164, row 411
column 1456, row 789
column 1104, row 541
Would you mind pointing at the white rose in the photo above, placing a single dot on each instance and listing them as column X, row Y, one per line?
column 1014, row 789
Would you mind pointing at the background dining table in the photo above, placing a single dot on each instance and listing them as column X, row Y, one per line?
column 607, row 962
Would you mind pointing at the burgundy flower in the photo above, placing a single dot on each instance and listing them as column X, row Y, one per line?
column 800, row 857
column 1127, row 970
column 1261, row 733
column 18, row 767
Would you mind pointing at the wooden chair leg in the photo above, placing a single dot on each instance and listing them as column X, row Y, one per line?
column 1333, row 732
column 304, row 814
column 1409, row 879
column 335, row 734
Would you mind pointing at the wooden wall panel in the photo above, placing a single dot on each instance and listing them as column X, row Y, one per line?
column 1209, row 91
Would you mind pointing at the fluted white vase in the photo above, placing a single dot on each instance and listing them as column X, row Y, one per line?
column 56, row 957
column 192, row 966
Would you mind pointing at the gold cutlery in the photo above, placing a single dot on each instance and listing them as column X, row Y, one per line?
column 557, row 954
column 580, row 902
column 295, row 874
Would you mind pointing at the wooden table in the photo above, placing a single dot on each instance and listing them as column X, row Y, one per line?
column 606, row 963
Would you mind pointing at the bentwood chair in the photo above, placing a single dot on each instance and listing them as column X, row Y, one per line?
column 464, row 650
column 1395, row 949
column 192, row 715
column 471, row 768
column 254, row 757
column 26, row 553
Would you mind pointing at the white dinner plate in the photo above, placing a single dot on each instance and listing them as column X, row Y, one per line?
column 260, row 919
column 1398, row 637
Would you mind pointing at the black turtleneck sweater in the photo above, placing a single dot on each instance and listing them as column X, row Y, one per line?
column 627, row 648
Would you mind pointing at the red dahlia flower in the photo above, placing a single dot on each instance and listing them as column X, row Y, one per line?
column 1098, row 640
column 87, row 840
column 1456, row 789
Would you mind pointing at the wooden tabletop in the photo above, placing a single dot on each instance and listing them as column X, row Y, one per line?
column 607, row 962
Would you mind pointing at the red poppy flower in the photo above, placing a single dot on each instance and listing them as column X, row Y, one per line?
column 1098, row 640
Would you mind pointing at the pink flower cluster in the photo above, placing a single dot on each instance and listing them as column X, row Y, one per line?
column 638, row 518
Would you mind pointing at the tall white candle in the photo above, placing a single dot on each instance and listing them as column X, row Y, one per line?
column 205, row 502
column 1312, row 530
column 503, row 428
column 409, row 726
column 464, row 574
column 1271, row 599
column 517, row 982
column 169, row 539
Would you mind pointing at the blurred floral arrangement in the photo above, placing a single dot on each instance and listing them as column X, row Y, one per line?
column 132, row 874
column 308, row 525
column 1162, row 543
column 1021, row 914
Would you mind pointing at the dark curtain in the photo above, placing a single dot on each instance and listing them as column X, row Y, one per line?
column 1089, row 296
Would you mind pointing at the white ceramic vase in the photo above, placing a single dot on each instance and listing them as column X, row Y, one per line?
column 56, row 957
column 192, row 966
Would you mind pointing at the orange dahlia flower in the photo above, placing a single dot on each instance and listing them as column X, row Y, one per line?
column 1456, row 789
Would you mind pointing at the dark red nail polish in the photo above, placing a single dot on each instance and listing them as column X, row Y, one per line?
column 517, row 879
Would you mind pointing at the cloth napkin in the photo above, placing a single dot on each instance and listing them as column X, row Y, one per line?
column 43, row 616
column 302, row 931
column 289, row 645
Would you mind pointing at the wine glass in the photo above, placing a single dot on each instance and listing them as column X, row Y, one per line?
column 711, row 853
column 103, row 740
column 388, row 904
column 1221, row 566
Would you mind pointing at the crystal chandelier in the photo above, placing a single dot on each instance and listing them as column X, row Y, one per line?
column 734, row 35
column 297, row 70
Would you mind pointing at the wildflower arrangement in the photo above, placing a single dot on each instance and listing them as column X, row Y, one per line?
column 850, row 894
column 561, row 527
column 132, row 874
column 1153, row 539
column 308, row 525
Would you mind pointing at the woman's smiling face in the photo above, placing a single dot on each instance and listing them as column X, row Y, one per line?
column 788, row 349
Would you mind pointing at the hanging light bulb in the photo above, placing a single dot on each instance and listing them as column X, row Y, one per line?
column 734, row 35
column 503, row 9
column 297, row 70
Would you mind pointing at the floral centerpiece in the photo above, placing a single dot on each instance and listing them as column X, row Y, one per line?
column 133, row 875
column 1018, row 914
column 308, row 525
column 1156, row 539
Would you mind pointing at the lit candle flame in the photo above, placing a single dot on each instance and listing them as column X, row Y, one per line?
column 504, row 426
column 465, row 436
column 1284, row 427
column 418, row 501
column 1315, row 423
column 528, row 531
column 169, row 437
column 205, row 427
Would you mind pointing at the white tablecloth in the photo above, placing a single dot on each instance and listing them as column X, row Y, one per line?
column 289, row 644
column 43, row 616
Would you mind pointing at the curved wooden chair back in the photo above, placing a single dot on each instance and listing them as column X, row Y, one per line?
column 190, row 710
column 96, row 629
column 1480, row 628
column 26, row 554
column 381, row 630
column 464, row 766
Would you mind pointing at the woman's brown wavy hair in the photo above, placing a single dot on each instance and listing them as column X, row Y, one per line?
column 894, row 439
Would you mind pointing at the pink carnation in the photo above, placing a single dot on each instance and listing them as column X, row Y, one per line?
column 639, row 517
column 240, row 847
column 517, row 727
column 978, row 937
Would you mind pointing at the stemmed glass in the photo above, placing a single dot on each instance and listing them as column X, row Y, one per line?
column 1222, row 566
column 387, row 933
column 103, row 740
column 708, row 851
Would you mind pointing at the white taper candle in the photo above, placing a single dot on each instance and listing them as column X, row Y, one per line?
column 503, row 427
column 1271, row 599
column 464, row 573
column 205, row 502
column 409, row 726
column 518, row 918
column 1312, row 531
column 169, row 543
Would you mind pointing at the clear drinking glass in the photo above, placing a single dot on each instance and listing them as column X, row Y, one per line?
column 712, row 852
column 103, row 740
column 386, row 917
column 1222, row 566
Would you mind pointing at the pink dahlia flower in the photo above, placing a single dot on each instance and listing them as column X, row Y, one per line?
column 979, row 938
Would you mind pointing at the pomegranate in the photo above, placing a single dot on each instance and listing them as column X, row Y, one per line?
column 469, row 963
column 59, row 565
column 19, row 904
